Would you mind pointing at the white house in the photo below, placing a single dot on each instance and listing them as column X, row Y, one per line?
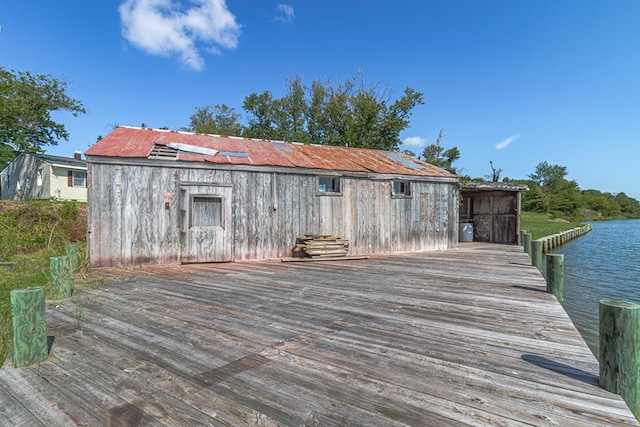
column 42, row 176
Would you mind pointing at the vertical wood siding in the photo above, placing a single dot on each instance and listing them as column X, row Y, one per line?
column 495, row 217
column 128, row 222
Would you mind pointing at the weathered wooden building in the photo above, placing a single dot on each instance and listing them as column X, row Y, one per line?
column 492, row 210
column 166, row 197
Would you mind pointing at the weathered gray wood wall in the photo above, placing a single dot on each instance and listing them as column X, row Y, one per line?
column 495, row 216
column 129, row 223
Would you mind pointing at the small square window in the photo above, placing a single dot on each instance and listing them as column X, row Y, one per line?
column 79, row 179
column 206, row 211
column 401, row 189
column 329, row 184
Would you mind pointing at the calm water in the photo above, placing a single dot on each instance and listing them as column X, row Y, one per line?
column 603, row 264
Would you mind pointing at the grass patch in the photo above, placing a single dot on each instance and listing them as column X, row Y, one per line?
column 32, row 232
column 541, row 225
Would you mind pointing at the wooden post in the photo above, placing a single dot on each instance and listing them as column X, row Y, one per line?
column 522, row 233
column 526, row 243
column 536, row 254
column 72, row 252
column 60, row 277
column 620, row 351
column 555, row 275
column 29, row 326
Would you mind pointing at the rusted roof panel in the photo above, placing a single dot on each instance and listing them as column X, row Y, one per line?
column 128, row 142
column 492, row 186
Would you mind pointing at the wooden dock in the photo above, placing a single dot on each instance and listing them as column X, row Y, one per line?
column 446, row 338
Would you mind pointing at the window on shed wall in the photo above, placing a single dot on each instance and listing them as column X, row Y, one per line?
column 329, row 184
column 39, row 178
column 401, row 189
column 206, row 211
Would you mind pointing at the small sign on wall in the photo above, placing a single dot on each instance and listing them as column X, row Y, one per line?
column 167, row 196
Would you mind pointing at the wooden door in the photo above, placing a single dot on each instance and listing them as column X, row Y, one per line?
column 206, row 228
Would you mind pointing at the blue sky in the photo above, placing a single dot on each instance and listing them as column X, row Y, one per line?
column 513, row 82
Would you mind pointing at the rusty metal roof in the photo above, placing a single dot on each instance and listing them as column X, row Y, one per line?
column 492, row 186
column 130, row 142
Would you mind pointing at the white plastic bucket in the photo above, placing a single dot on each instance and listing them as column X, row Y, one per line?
column 465, row 232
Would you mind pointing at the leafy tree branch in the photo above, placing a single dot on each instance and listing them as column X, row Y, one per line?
column 26, row 103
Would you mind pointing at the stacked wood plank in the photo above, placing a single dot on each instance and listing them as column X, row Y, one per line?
column 321, row 246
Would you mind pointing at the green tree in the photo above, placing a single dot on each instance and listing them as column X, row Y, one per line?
column 436, row 155
column 317, row 121
column 291, row 112
column 548, row 176
column 218, row 119
column 563, row 198
column 353, row 114
column 594, row 200
column 26, row 103
column 550, row 191
column 261, row 109
column 629, row 207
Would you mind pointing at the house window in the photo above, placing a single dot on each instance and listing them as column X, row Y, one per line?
column 39, row 178
column 401, row 189
column 206, row 211
column 76, row 179
column 329, row 184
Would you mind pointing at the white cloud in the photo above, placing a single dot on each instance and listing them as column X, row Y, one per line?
column 181, row 28
column 415, row 142
column 505, row 143
column 284, row 13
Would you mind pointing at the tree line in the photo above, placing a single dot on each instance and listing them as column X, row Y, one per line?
column 353, row 114
column 551, row 192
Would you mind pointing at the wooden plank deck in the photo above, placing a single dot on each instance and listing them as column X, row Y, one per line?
column 446, row 338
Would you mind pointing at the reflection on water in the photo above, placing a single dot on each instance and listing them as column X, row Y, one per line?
column 602, row 264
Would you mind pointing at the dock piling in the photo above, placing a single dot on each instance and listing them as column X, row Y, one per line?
column 526, row 242
column 536, row 254
column 72, row 251
column 29, row 326
column 620, row 351
column 522, row 233
column 60, row 269
column 555, row 275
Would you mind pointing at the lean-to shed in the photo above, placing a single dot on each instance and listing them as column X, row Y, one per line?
column 166, row 197
column 492, row 210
